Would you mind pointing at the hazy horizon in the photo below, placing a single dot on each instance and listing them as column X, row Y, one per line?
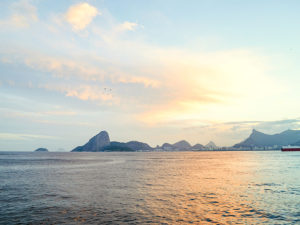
column 152, row 71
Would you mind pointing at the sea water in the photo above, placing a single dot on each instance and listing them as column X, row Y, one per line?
column 150, row 188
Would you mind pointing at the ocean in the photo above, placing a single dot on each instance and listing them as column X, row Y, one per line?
column 260, row 187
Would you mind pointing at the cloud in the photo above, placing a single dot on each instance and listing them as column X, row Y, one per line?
column 176, row 85
column 81, row 15
column 269, row 127
column 18, row 136
column 70, row 67
column 89, row 93
column 61, row 113
column 156, row 84
column 127, row 26
column 42, row 117
column 202, row 85
column 232, row 132
column 84, row 92
column 156, row 87
column 23, row 15
column 278, row 125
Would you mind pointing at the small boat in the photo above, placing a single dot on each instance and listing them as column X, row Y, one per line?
column 290, row 148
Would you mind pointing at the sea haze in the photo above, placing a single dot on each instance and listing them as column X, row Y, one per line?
column 150, row 187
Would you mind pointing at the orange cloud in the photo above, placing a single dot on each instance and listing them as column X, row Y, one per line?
column 64, row 67
column 84, row 92
column 173, row 84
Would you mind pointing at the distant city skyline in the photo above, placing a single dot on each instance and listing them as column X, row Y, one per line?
column 152, row 71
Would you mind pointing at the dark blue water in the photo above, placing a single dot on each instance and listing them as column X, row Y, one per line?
column 150, row 188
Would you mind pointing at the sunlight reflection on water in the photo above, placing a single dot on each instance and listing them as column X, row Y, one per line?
column 139, row 188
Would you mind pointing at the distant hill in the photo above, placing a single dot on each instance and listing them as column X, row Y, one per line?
column 136, row 145
column 101, row 142
column 41, row 150
column 260, row 140
column 211, row 145
column 197, row 147
column 182, row 145
column 117, row 146
column 167, row 146
column 129, row 146
column 296, row 143
column 256, row 141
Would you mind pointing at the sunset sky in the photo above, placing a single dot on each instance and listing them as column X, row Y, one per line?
column 153, row 71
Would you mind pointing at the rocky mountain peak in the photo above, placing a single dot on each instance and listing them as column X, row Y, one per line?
column 100, row 140
column 95, row 144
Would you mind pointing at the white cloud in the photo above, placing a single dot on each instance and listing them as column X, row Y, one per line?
column 127, row 26
column 60, row 113
column 66, row 67
column 84, row 92
column 176, row 84
column 165, row 84
column 17, row 136
column 81, row 15
column 23, row 15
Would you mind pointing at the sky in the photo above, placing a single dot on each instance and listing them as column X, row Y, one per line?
column 153, row 71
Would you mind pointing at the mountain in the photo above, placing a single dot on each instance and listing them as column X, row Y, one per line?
column 197, row 147
column 41, row 150
column 128, row 146
column 117, row 146
column 296, row 143
column 260, row 140
column 211, row 145
column 95, row 144
column 101, row 142
column 167, row 146
column 182, row 145
column 135, row 145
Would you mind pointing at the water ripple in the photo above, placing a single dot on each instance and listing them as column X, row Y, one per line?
column 149, row 188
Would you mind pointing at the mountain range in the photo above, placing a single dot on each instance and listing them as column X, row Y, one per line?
column 260, row 140
column 101, row 142
column 183, row 145
column 256, row 140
